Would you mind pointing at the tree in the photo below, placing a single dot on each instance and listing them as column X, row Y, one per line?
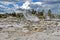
column 0, row 16
column 49, row 13
column 14, row 14
column 43, row 10
column 33, row 11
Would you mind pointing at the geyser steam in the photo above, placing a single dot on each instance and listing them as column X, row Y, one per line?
column 30, row 16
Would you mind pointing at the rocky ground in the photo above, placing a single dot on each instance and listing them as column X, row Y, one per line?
column 16, row 29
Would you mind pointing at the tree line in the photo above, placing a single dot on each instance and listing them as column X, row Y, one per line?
column 14, row 14
column 42, row 14
column 34, row 12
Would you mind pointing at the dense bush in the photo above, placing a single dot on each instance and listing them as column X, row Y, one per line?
column 13, row 14
column 33, row 11
column 3, row 15
column 19, row 15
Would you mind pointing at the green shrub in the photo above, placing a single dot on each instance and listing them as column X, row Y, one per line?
column 13, row 14
column 4, row 16
column 19, row 15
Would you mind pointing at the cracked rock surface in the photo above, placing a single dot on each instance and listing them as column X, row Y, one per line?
column 15, row 29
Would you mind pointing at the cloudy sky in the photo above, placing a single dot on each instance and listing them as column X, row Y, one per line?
column 14, row 5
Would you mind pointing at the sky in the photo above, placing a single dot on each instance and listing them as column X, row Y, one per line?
column 14, row 5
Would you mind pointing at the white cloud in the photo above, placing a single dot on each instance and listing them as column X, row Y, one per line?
column 5, row 5
column 16, row 7
column 53, row 7
column 50, row 0
column 16, row 0
column 38, row 3
column 4, row 8
column 1, row 6
column 44, row 4
column 25, row 5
